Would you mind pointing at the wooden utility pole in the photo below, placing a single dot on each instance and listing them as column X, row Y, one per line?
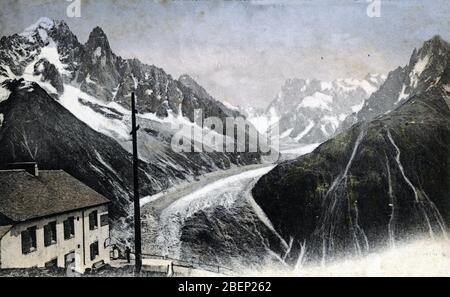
column 137, row 206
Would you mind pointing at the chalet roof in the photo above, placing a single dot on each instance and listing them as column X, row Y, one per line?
column 4, row 230
column 24, row 196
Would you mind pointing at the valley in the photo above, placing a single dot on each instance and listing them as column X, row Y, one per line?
column 362, row 178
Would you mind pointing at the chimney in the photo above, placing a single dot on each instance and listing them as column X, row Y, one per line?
column 30, row 167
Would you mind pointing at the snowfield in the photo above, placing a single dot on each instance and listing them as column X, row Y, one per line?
column 317, row 100
column 4, row 93
column 111, row 127
column 419, row 67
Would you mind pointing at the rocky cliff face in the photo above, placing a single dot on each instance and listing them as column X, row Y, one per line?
column 425, row 68
column 98, row 73
column 380, row 182
column 48, row 73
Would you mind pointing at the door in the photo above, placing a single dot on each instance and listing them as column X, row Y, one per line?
column 69, row 260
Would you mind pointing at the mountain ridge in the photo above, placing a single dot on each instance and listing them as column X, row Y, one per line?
column 310, row 111
column 404, row 82
column 378, row 183
column 59, row 98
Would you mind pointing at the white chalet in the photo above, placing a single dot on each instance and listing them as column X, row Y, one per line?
column 49, row 218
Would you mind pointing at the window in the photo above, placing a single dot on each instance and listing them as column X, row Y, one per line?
column 29, row 240
column 52, row 263
column 94, row 250
column 69, row 228
column 50, row 234
column 93, row 221
column 103, row 220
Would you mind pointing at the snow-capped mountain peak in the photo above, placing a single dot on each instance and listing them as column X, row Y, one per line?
column 310, row 110
column 40, row 28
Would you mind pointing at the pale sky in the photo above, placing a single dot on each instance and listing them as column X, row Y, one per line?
column 243, row 51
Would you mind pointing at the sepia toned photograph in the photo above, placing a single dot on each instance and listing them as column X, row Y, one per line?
column 198, row 139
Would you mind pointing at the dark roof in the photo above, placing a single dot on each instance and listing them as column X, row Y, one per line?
column 24, row 196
